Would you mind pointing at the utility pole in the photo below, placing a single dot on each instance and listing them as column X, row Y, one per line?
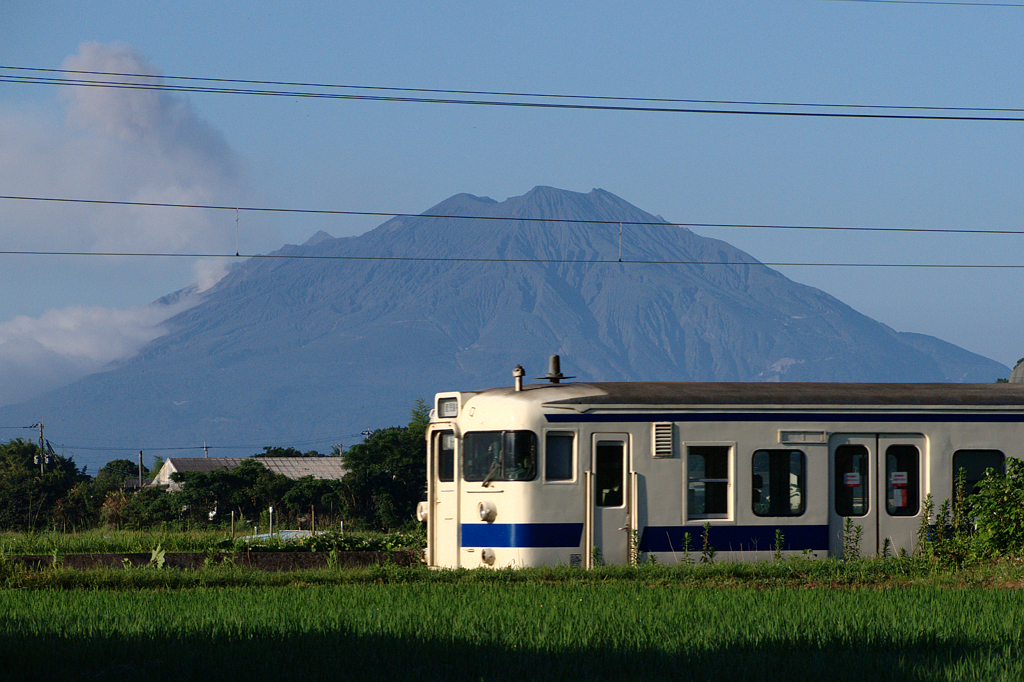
column 140, row 469
column 42, row 448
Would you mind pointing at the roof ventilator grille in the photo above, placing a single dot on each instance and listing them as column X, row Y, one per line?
column 663, row 439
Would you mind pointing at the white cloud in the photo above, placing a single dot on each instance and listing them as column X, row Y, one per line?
column 111, row 144
column 209, row 272
column 117, row 144
column 60, row 346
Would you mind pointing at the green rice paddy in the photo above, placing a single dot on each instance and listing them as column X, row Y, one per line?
column 469, row 628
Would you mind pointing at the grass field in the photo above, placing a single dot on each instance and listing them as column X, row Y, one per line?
column 482, row 626
column 797, row 619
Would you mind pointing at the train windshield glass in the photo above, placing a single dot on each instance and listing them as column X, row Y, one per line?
column 499, row 456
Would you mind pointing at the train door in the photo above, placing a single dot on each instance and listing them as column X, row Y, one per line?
column 609, row 497
column 444, row 515
column 852, row 492
column 900, row 473
column 876, row 484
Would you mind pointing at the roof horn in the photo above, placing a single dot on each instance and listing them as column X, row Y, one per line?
column 554, row 374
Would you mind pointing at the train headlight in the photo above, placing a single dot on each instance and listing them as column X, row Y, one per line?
column 422, row 509
column 487, row 556
column 488, row 512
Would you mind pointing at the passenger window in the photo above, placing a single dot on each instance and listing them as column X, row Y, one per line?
column 851, row 483
column 974, row 463
column 707, row 478
column 778, row 482
column 902, row 480
column 558, row 449
column 609, row 473
column 445, row 456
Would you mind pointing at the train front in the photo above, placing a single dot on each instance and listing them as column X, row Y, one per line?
column 503, row 485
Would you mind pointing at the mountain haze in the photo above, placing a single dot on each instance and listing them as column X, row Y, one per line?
column 346, row 333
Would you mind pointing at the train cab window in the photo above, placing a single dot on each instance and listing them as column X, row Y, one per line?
column 902, row 480
column 851, row 483
column 707, row 478
column 445, row 455
column 778, row 482
column 974, row 464
column 558, row 448
column 499, row 456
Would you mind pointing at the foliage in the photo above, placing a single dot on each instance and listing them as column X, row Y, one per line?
column 387, row 474
column 336, row 541
column 707, row 552
column 135, row 541
column 115, row 472
column 852, row 535
column 308, row 492
column 28, row 497
column 998, row 510
column 150, row 507
column 271, row 451
column 987, row 525
column 387, row 479
column 113, row 508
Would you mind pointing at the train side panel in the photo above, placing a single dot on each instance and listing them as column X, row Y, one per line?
column 530, row 484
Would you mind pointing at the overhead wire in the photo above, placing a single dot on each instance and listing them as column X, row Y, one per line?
column 582, row 221
column 278, row 255
column 953, row 3
column 483, row 93
column 788, row 111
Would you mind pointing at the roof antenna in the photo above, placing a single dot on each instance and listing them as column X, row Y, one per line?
column 554, row 374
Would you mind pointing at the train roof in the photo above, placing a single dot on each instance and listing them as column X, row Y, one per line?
column 599, row 395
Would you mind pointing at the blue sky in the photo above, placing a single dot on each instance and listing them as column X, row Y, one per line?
column 62, row 316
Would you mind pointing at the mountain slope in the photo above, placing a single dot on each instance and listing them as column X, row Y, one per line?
column 347, row 333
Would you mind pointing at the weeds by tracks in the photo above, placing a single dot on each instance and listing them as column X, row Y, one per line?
column 791, row 573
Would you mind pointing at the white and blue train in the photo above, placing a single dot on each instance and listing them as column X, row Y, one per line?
column 566, row 473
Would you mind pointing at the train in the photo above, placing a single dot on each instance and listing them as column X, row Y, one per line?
column 580, row 474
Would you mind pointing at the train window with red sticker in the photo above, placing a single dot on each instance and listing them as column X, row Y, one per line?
column 902, row 480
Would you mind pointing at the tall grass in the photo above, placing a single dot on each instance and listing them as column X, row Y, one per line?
column 108, row 541
column 102, row 541
column 522, row 630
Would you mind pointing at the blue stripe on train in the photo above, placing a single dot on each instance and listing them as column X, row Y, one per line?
column 734, row 538
column 652, row 538
column 522, row 534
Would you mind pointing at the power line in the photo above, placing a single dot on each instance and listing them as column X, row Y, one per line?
column 504, row 103
column 554, row 261
column 482, row 93
column 930, row 2
column 582, row 221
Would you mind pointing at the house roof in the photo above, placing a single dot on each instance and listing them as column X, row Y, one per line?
column 329, row 468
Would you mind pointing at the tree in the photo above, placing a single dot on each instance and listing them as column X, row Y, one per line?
column 271, row 451
column 249, row 489
column 387, row 474
column 115, row 472
column 158, row 463
column 150, row 507
column 28, row 497
column 309, row 492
